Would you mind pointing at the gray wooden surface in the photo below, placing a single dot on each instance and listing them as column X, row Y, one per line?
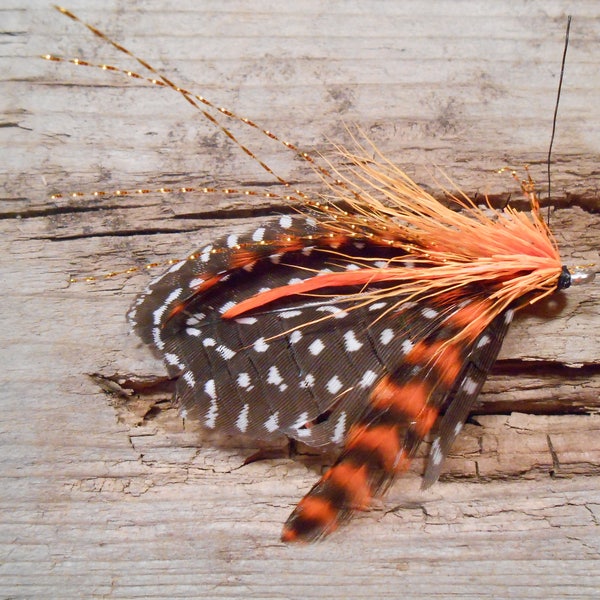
column 106, row 496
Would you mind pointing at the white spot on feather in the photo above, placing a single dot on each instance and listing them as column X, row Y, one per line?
column 242, row 420
column 196, row 282
column 302, row 419
column 351, row 343
column 213, row 410
column 243, row 380
column 188, row 377
column 173, row 359
column 429, row 313
column 158, row 313
column 225, row 352
column 285, row 222
column 387, row 335
column 258, row 235
column 260, row 345
column 406, row 346
column 469, row 386
column 339, row 429
column 176, row 266
column 334, row 385
column 308, row 381
column 225, row 307
column 205, row 256
column 272, row 423
column 335, row 311
column 377, row 305
column 246, row 320
column 368, row 379
column 209, row 388
column 316, row 347
column 274, row 377
column 484, row 340
column 157, row 339
column 435, row 454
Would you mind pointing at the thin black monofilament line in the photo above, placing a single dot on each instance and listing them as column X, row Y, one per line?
column 560, row 81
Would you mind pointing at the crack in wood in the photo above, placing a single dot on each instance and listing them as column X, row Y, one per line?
column 555, row 462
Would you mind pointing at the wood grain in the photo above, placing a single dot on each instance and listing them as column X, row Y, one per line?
column 108, row 495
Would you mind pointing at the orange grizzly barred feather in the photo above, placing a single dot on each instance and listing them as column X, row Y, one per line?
column 511, row 259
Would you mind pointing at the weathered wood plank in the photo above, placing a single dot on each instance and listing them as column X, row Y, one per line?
column 106, row 496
